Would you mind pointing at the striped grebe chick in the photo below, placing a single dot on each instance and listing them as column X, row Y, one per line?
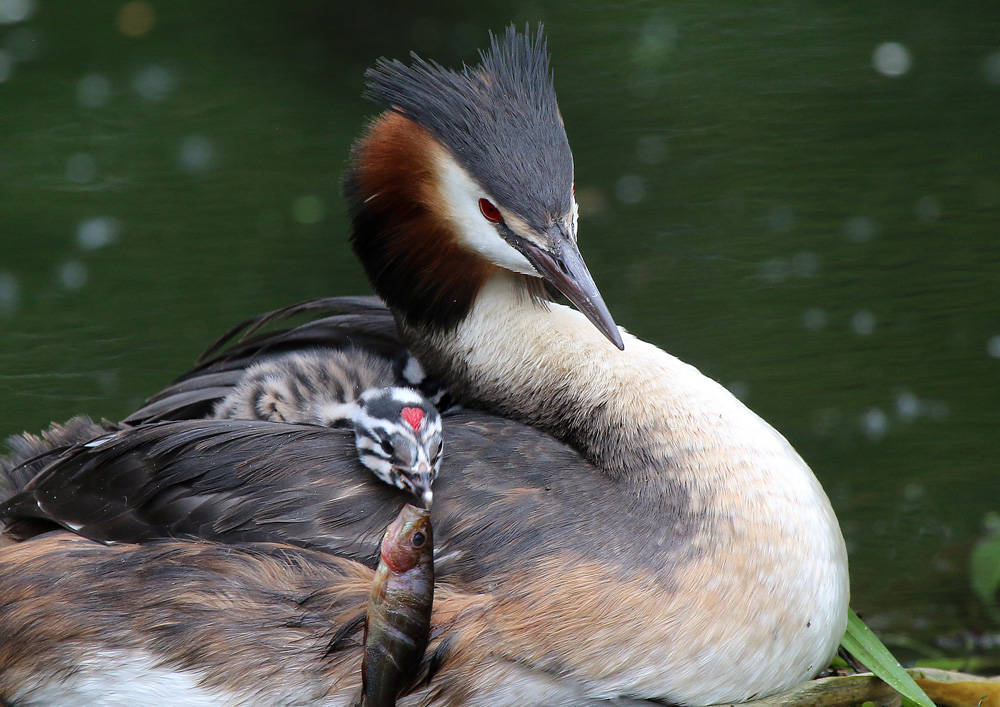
column 397, row 429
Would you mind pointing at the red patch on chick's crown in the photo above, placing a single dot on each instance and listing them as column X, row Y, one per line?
column 414, row 417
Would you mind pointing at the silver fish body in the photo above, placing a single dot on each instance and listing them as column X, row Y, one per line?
column 397, row 627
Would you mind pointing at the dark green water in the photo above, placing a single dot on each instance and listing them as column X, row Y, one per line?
column 803, row 200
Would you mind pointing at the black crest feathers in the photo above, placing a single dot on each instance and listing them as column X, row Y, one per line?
column 499, row 119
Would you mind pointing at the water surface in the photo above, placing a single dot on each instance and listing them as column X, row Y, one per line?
column 802, row 200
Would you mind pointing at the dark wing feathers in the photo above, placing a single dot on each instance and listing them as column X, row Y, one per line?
column 363, row 322
column 216, row 479
column 28, row 451
column 368, row 310
column 236, row 481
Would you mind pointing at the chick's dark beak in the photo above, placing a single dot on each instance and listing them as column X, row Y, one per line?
column 418, row 482
column 563, row 266
column 421, row 488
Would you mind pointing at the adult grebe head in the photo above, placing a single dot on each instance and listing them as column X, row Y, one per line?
column 467, row 173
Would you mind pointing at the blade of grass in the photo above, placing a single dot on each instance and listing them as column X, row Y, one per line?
column 864, row 645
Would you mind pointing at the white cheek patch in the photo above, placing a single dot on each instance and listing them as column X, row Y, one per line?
column 461, row 197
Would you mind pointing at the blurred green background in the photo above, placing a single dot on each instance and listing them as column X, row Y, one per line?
column 801, row 199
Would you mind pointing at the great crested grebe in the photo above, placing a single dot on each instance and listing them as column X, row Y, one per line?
column 671, row 546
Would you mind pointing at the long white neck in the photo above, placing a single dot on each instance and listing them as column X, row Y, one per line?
column 640, row 414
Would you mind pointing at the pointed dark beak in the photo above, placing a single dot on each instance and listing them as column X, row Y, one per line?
column 419, row 484
column 563, row 266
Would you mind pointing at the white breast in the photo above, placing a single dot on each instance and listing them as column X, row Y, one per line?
column 134, row 679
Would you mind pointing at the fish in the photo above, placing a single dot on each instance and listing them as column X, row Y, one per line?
column 398, row 622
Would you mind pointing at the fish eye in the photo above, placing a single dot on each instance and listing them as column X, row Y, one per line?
column 418, row 539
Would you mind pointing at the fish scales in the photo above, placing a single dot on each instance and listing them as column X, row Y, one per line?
column 397, row 626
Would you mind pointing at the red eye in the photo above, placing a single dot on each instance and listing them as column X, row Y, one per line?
column 490, row 212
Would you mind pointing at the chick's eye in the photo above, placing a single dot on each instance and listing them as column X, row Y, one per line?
column 419, row 539
column 490, row 212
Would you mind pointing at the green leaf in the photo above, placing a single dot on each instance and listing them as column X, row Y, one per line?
column 984, row 571
column 864, row 645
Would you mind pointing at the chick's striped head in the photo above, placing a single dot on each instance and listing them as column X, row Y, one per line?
column 398, row 435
